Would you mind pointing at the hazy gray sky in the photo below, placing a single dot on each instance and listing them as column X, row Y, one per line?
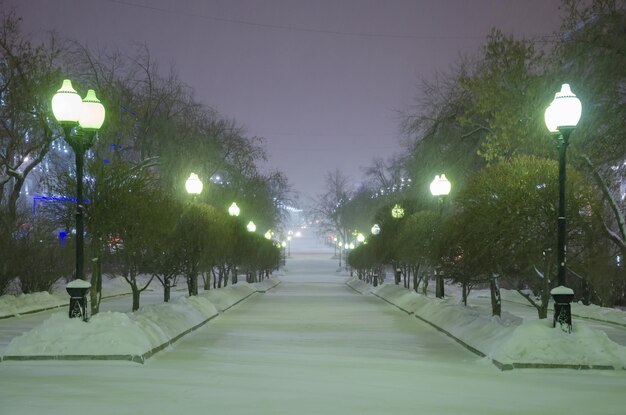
column 321, row 80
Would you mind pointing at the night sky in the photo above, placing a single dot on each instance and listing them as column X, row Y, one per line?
column 323, row 81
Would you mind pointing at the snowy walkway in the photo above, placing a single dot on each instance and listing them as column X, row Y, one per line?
column 310, row 346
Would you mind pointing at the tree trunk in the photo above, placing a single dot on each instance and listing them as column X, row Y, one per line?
column 96, row 277
column 439, row 290
column 166, row 291
column 425, row 285
column 496, row 300
column 465, row 292
column 136, row 294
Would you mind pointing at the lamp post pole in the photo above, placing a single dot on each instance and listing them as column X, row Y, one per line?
column 87, row 116
column 561, row 118
column 440, row 187
column 562, row 143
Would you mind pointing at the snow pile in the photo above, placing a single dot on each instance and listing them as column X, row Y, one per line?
column 359, row 286
column 265, row 285
column 11, row 305
column 14, row 305
column 224, row 298
column 508, row 339
column 112, row 333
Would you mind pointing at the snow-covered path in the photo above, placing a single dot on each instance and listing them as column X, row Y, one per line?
column 310, row 346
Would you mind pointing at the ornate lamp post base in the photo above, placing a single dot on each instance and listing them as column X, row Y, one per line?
column 563, row 297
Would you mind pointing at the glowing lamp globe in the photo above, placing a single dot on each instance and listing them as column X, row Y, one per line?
column 360, row 237
column 251, row 227
column 440, row 186
column 233, row 210
column 91, row 112
column 66, row 104
column 193, row 184
column 397, row 212
column 564, row 111
column 375, row 229
column 268, row 234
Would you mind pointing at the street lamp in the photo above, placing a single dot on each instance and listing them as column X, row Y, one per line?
column 375, row 229
column 360, row 238
column 397, row 212
column 561, row 118
column 268, row 234
column 289, row 245
column 251, row 227
column 440, row 187
column 233, row 210
column 193, row 184
column 86, row 116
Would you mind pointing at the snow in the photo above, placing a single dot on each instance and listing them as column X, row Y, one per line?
column 78, row 283
column 14, row 305
column 129, row 336
column 508, row 340
column 561, row 290
column 311, row 345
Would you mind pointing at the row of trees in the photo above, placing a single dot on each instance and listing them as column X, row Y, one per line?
column 482, row 125
column 138, row 217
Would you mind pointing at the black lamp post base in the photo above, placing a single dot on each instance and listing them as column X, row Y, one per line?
column 563, row 297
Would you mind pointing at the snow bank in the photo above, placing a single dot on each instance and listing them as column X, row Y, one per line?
column 508, row 340
column 111, row 335
column 128, row 336
column 265, row 285
column 359, row 286
column 225, row 298
column 14, row 305
column 11, row 305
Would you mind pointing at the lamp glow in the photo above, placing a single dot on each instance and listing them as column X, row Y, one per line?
column 360, row 237
column 66, row 104
column 268, row 234
column 251, row 227
column 193, row 184
column 375, row 229
column 233, row 210
column 440, row 186
column 92, row 112
column 397, row 212
column 564, row 111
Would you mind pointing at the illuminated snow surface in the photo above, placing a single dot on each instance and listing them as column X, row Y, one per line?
column 312, row 345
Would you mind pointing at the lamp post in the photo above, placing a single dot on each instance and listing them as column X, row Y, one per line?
column 193, row 185
column 561, row 118
column 289, row 246
column 234, row 210
column 440, row 187
column 85, row 116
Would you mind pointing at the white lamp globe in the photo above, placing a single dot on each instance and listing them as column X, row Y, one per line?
column 66, row 104
column 564, row 111
column 233, row 210
column 92, row 112
column 251, row 227
column 193, row 184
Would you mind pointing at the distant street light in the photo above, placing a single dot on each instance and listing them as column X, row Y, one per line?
column 193, row 184
column 360, row 238
column 440, row 187
column 375, row 229
column 268, row 234
column 251, row 227
column 397, row 212
column 85, row 116
column 561, row 118
column 233, row 210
